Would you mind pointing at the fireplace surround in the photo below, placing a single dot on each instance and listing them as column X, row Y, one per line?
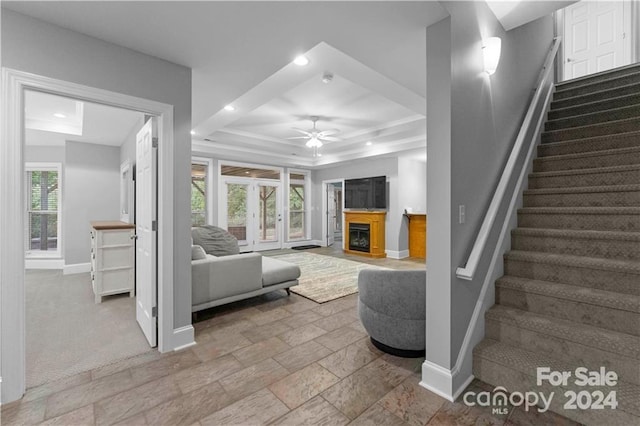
column 364, row 232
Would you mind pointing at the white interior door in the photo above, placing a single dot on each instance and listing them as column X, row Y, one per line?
column 146, row 283
column 596, row 37
column 331, row 214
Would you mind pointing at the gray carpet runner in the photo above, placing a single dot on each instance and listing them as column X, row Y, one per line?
column 570, row 296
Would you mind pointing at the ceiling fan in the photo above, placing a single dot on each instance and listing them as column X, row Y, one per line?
column 315, row 137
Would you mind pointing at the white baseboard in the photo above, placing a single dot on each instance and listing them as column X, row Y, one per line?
column 44, row 263
column 441, row 381
column 183, row 337
column 77, row 268
column 394, row 254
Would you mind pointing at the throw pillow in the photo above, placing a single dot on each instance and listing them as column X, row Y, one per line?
column 215, row 241
column 197, row 253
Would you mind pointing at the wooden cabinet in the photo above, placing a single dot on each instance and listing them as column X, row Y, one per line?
column 112, row 258
column 417, row 235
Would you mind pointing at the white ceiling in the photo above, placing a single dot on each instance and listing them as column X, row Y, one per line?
column 83, row 122
column 234, row 47
column 514, row 13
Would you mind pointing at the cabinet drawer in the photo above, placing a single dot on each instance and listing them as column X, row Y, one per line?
column 114, row 257
column 115, row 238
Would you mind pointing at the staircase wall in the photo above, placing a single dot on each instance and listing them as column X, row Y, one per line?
column 467, row 146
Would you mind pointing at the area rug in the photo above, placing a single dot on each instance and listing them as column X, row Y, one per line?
column 325, row 278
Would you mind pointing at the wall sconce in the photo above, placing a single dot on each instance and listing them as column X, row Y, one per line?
column 491, row 53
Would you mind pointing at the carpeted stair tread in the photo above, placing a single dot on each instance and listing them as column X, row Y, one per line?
column 593, row 170
column 583, row 189
column 612, row 82
column 599, row 76
column 596, row 143
column 582, row 210
column 579, row 234
column 584, row 295
column 594, row 96
column 606, row 340
column 595, row 106
column 613, row 114
column 591, row 159
column 613, row 265
column 526, row 362
column 597, row 129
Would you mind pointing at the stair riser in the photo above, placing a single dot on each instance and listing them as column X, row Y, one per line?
column 593, row 118
column 608, row 249
column 596, row 87
column 626, row 177
column 588, row 145
column 600, row 129
column 594, row 315
column 594, row 97
column 595, row 222
column 620, row 282
column 587, row 199
column 596, row 78
column 594, row 107
column 628, row 369
column 604, row 160
column 497, row 374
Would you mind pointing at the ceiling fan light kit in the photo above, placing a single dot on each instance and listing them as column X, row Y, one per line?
column 315, row 137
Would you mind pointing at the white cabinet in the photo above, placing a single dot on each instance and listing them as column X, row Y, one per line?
column 112, row 258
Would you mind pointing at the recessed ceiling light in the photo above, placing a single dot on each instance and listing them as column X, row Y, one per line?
column 229, row 108
column 301, row 60
column 193, row 132
column 59, row 115
column 369, row 143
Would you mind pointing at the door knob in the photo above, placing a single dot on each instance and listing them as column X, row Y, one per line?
column 569, row 60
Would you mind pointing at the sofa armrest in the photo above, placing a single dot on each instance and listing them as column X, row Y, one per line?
column 217, row 277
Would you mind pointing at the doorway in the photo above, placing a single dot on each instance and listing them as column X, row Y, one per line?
column 333, row 205
column 12, row 222
column 597, row 36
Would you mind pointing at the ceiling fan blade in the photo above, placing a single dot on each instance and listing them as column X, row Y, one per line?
column 330, row 139
column 299, row 137
column 304, row 132
column 328, row 132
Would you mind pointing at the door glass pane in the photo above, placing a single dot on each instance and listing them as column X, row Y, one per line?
column 296, row 211
column 267, row 219
column 198, row 194
column 237, row 210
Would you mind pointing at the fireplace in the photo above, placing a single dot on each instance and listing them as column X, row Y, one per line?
column 359, row 237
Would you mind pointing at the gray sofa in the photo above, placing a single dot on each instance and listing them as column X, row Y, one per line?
column 392, row 308
column 217, row 280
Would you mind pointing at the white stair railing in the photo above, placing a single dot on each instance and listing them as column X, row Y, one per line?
column 468, row 271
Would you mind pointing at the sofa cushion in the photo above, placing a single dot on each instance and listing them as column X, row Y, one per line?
column 276, row 271
column 215, row 241
column 197, row 253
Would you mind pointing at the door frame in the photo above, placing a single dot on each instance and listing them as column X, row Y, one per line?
column 12, row 273
column 631, row 17
column 325, row 209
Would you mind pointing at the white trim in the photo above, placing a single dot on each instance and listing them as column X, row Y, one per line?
column 33, row 166
column 77, row 268
column 325, row 207
column 395, row 254
column 208, row 162
column 441, row 381
column 183, row 337
column 44, row 263
column 12, row 317
column 125, row 170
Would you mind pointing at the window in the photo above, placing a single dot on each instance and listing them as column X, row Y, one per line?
column 43, row 230
column 297, row 206
column 198, row 194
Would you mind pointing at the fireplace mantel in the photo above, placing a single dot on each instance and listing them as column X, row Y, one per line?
column 375, row 219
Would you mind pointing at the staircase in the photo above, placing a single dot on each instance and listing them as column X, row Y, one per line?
column 570, row 296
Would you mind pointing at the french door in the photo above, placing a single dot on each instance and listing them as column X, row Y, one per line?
column 253, row 213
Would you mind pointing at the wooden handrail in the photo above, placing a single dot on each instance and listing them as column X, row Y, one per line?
column 468, row 271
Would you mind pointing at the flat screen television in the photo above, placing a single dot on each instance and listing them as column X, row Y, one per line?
column 366, row 193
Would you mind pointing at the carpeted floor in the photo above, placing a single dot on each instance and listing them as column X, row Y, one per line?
column 325, row 278
column 67, row 333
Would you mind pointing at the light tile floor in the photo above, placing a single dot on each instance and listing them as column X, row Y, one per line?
column 274, row 359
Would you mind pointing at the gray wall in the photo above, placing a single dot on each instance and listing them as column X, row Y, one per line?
column 44, row 154
column 37, row 47
column 485, row 115
column 91, row 191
